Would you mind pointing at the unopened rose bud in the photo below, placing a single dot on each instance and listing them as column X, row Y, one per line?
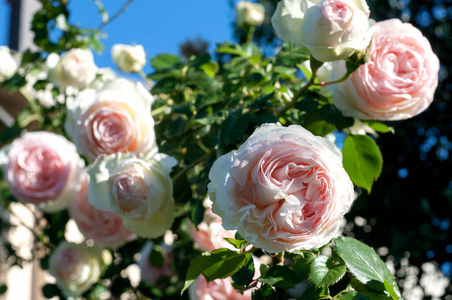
column 8, row 65
column 249, row 14
column 129, row 58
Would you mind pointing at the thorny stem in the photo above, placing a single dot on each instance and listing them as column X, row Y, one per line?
column 115, row 16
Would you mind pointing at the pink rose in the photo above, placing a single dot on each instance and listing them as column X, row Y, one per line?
column 284, row 189
column 152, row 273
column 43, row 168
column 115, row 119
column 210, row 234
column 399, row 80
column 218, row 289
column 75, row 267
column 104, row 227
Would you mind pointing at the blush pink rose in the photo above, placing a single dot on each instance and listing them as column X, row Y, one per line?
column 116, row 119
column 284, row 189
column 75, row 267
column 104, row 227
column 151, row 273
column 399, row 80
column 218, row 289
column 210, row 233
column 43, row 168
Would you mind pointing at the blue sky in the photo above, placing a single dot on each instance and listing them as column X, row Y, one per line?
column 160, row 26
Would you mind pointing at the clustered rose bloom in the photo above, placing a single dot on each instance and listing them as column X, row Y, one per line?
column 284, row 189
column 129, row 58
column 74, row 68
column 8, row 65
column 103, row 227
column 115, row 119
column 75, row 267
column 399, row 80
column 331, row 29
column 43, row 168
column 152, row 273
column 210, row 234
column 218, row 289
column 249, row 14
column 139, row 191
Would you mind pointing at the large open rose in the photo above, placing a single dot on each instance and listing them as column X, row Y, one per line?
column 139, row 191
column 284, row 189
column 331, row 29
column 115, row 119
column 104, row 227
column 75, row 267
column 43, row 168
column 399, row 80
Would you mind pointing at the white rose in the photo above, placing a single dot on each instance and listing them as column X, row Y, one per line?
column 74, row 68
column 331, row 29
column 8, row 65
column 129, row 58
column 141, row 192
column 115, row 119
column 249, row 14
column 75, row 267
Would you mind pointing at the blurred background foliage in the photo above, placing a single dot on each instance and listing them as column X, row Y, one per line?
column 408, row 215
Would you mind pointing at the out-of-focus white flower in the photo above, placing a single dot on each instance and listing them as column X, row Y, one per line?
column 249, row 14
column 74, row 68
column 8, row 65
column 129, row 58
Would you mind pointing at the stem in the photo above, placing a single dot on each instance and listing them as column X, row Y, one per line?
column 193, row 164
column 292, row 103
column 115, row 16
column 159, row 110
column 143, row 76
column 250, row 34
column 325, row 83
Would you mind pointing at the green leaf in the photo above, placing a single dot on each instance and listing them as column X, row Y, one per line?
column 245, row 275
column 228, row 48
column 324, row 272
column 379, row 127
column 3, row 289
column 353, row 295
column 313, row 293
column 165, row 60
column 50, row 290
column 362, row 160
column 158, row 256
column 280, row 276
column 221, row 263
column 365, row 264
column 333, row 116
column 236, row 243
column 210, row 68
column 302, row 265
column 265, row 292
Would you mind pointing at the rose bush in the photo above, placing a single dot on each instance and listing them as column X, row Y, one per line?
column 399, row 80
column 43, row 168
column 330, row 29
column 103, row 227
column 75, row 267
column 115, row 119
column 139, row 191
column 74, row 68
column 284, row 189
column 129, row 58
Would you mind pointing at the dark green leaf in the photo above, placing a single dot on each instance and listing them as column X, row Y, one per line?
column 245, row 275
column 362, row 160
column 165, row 60
column 324, row 272
column 158, row 256
column 333, row 116
column 3, row 289
column 353, row 295
column 314, row 293
column 265, row 292
column 302, row 265
column 165, row 85
column 280, row 276
column 221, row 263
column 51, row 290
column 365, row 264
